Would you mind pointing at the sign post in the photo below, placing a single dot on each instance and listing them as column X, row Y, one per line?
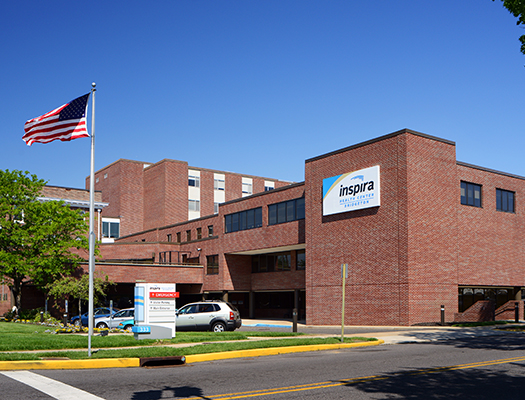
column 344, row 274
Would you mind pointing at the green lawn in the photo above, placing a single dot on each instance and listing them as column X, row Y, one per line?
column 19, row 338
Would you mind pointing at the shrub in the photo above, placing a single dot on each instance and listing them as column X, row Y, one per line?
column 9, row 315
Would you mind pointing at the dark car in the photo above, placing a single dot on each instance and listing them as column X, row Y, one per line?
column 97, row 313
column 217, row 316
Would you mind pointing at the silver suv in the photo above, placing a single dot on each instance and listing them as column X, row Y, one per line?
column 218, row 316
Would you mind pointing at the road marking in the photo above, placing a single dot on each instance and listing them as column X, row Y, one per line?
column 55, row 389
column 351, row 381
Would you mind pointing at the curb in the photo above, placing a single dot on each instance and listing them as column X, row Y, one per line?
column 271, row 351
column 70, row 364
column 136, row 362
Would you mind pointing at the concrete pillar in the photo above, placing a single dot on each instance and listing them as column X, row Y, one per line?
column 225, row 295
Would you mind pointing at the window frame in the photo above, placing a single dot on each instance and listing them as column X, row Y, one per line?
column 239, row 221
column 194, row 181
column 286, row 211
column 212, row 264
column 510, row 206
column 470, row 200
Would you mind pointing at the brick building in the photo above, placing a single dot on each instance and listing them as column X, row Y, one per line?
column 143, row 195
column 418, row 230
column 445, row 233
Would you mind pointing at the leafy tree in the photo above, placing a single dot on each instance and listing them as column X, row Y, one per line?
column 36, row 238
column 70, row 287
column 517, row 8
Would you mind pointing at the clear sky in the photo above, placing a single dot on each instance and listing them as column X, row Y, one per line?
column 257, row 87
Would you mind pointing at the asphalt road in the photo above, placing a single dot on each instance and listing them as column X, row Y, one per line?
column 490, row 367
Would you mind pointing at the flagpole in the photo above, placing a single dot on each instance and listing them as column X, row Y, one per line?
column 91, row 220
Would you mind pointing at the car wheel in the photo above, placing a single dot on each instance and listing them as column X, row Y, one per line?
column 128, row 328
column 218, row 327
column 101, row 325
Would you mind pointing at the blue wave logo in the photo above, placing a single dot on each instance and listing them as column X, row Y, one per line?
column 360, row 177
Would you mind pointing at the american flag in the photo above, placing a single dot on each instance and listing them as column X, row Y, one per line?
column 64, row 123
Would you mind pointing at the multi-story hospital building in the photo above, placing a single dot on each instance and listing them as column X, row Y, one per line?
column 418, row 231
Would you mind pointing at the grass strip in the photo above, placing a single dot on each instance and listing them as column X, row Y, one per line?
column 29, row 337
column 164, row 351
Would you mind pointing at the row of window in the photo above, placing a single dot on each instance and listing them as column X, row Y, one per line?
column 219, row 184
column 278, row 213
column 243, row 220
column 195, row 205
column 471, row 196
column 286, row 211
column 189, row 235
column 278, row 261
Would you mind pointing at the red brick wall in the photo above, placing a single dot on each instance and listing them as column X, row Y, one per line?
column 483, row 310
column 394, row 275
column 490, row 243
column 122, row 189
column 432, row 204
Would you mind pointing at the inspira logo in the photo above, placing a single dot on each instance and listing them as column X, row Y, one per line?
column 351, row 191
column 356, row 188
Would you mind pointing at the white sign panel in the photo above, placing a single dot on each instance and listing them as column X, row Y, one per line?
column 351, row 191
column 155, row 304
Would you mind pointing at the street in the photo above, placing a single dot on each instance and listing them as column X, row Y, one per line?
column 478, row 367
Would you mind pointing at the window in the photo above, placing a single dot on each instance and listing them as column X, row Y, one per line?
column 283, row 262
column 300, row 260
column 286, row 211
column 111, row 229
column 199, row 233
column 210, row 230
column 269, row 185
column 215, row 208
column 194, row 205
column 470, row 194
column 212, row 264
column 504, row 200
column 178, row 237
column 243, row 220
column 271, row 262
column 169, row 237
column 218, row 184
column 188, row 236
column 247, row 186
column 194, row 180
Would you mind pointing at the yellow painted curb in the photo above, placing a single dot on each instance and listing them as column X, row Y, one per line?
column 275, row 351
column 70, row 364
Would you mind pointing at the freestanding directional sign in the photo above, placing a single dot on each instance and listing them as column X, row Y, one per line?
column 155, row 310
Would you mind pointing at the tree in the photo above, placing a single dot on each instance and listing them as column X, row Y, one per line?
column 36, row 238
column 517, row 8
column 78, row 288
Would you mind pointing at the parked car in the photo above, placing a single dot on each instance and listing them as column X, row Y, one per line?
column 127, row 325
column 114, row 320
column 217, row 316
column 97, row 313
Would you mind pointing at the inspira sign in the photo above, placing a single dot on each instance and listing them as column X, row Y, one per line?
column 351, row 191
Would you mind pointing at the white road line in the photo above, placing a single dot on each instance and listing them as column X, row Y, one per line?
column 52, row 388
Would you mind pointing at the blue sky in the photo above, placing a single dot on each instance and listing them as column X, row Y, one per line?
column 257, row 87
